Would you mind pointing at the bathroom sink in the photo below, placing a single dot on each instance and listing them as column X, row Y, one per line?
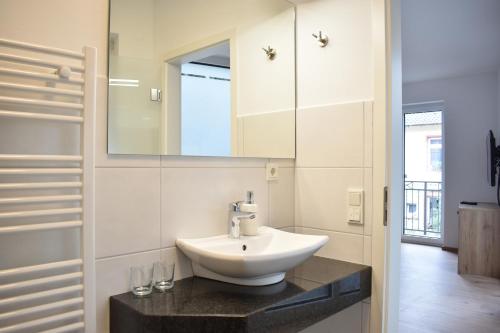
column 250, row 260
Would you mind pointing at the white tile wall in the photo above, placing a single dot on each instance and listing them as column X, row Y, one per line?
column 268, row 134
column 368, row 200
column 321, row 197
column 127, row 210
column 281, row 199
column 334, row 154
column 112, row 277
column 330, row 136
column 341, row 246
column 368, row 134
column 334, row 134
column 183, row 267
column 367, row 250
column 188, row 197
column 283, row 162
column 195, row 201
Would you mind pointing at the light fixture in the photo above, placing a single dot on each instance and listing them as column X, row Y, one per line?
column 124, row 82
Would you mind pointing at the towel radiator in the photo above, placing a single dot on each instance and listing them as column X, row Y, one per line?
column 47, row 105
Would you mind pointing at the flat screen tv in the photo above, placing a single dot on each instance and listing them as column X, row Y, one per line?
column 493, row 163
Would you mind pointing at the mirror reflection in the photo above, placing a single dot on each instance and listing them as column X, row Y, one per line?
column 206, row 107
column 202, row 78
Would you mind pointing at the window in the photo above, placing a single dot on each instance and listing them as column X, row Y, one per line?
column 411, row 208
column 435, row 153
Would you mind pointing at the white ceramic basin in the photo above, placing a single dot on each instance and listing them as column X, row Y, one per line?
column 251, row 260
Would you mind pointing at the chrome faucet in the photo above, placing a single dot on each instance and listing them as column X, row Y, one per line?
column 236, row 214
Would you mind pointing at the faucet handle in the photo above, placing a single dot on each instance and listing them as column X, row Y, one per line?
column 235, row 206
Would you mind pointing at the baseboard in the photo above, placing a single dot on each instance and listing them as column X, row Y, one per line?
column 449, row 249
column 420, row 241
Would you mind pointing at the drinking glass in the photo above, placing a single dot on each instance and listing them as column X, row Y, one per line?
column 141, row 280
column 163, row 275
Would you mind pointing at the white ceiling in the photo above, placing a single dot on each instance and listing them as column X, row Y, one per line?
column 446, row 38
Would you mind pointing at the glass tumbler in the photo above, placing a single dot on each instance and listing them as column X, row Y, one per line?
column 141, row 280
column 163, row 275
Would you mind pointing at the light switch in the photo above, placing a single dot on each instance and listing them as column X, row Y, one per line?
column 354, row 198
column 355, row 214
column 155, row 95
column 355, row 206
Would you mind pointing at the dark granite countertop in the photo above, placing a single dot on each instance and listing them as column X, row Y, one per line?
column 311, row 292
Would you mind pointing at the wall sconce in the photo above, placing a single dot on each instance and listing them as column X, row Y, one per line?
column 270, row 52
column 322, row 39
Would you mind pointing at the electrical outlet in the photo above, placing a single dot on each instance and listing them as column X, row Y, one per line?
column 272, row 171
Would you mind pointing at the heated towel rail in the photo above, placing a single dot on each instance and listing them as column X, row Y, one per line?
column 47, row 105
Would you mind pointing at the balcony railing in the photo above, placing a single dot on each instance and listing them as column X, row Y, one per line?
column 422, row 211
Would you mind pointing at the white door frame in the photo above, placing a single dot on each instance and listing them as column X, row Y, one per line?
column 432, row 106
column 387, row 165
column 171, row 85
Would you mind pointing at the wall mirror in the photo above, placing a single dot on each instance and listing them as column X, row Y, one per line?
column 202, row 78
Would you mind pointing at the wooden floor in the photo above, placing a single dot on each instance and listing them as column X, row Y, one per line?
column 434, row 298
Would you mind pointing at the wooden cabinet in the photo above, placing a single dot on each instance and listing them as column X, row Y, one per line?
column 479, row 240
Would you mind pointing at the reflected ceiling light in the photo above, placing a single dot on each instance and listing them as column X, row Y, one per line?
column 123, row 82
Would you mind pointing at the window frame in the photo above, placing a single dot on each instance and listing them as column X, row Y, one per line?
column 431, row 146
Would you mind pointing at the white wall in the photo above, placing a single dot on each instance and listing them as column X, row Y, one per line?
column 263, row 85
column 342, row 71
column 266, row 89
column 334, row 131
column 228, row 14
column 470, row 111
column 498, row 103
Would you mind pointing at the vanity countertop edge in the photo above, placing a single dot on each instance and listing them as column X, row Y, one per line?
column 316, row 289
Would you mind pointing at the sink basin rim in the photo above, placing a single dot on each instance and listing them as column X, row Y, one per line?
column 189, row 244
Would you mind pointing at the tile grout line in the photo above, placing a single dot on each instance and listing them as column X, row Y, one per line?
column 268, row 183
column 364, row 209
column 335, row 231
column 330, row 105
column 182, row 167
column 161, row 206
column 332, row 167
column 121, row 255
column 363, row 177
